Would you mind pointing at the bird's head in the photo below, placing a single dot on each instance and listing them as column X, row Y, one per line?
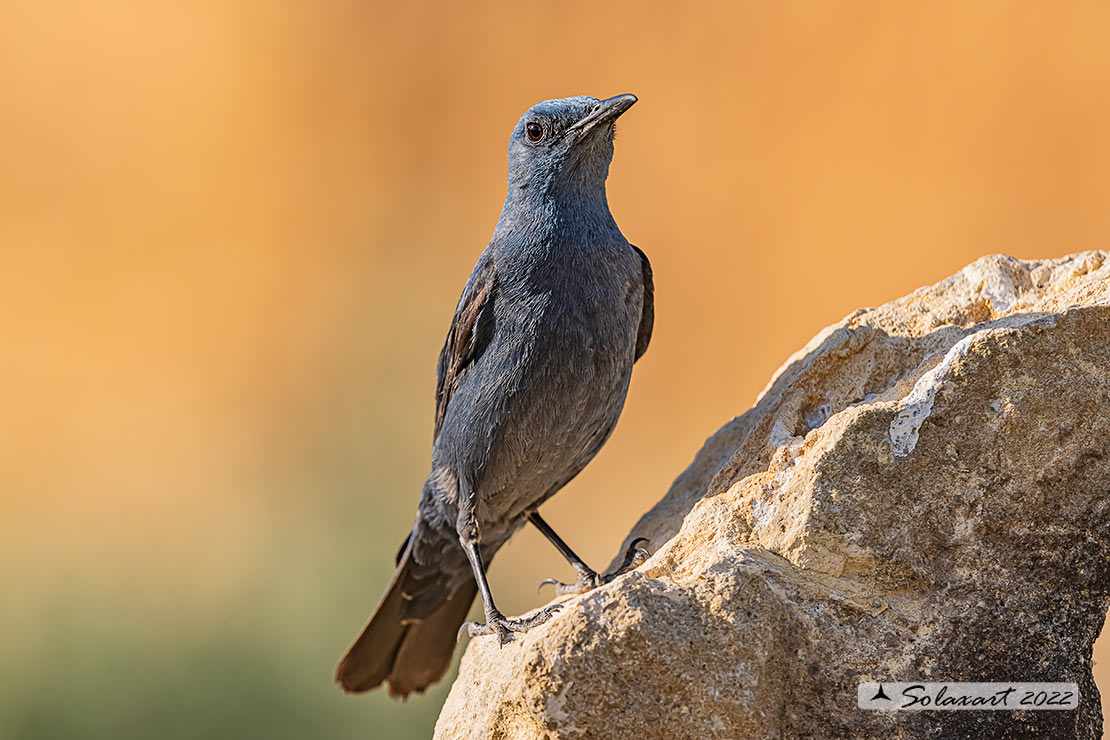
column 565, row 143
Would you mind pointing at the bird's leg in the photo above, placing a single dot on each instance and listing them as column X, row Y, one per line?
column 588, row 578
column 496, row 622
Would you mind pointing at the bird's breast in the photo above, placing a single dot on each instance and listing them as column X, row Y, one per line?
column 576, row 304
column 577, row 318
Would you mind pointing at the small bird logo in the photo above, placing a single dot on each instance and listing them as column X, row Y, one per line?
column 880, row 694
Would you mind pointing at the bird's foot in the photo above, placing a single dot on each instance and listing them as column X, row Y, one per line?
column 588, row 580
column 500, row 625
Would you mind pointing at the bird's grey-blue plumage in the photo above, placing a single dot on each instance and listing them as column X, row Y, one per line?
column 530, row 383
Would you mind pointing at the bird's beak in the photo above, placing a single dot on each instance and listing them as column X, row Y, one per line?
column 606, row 112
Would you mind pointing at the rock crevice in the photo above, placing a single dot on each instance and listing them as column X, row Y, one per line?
column 921, row 493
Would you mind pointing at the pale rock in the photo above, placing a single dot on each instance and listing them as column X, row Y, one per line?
column 921, row 493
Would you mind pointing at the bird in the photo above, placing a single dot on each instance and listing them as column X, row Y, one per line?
column 530, row 383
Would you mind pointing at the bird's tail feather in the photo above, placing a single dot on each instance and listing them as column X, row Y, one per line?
column 410, row 656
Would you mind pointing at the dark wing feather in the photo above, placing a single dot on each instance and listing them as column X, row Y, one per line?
column 647, row 318
column 470, row 331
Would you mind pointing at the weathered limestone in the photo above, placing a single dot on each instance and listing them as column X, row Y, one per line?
column 921, row 493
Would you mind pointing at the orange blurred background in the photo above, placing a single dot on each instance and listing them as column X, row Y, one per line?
column 233, row 234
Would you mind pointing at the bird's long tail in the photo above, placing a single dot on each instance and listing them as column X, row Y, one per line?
column 410, row 655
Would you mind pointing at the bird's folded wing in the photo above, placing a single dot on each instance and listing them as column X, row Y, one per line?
column 470, row 330
column 647, row 317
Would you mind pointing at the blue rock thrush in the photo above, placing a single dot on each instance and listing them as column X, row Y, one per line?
column 531, row 381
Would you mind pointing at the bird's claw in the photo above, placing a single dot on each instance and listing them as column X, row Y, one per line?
column 498, row 624
column 634, row 557
column 588, row 580
column 549, row 582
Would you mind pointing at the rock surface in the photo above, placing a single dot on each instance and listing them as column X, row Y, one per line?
column 921, row 493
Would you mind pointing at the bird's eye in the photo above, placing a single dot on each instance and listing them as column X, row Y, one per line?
column 534, row 131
